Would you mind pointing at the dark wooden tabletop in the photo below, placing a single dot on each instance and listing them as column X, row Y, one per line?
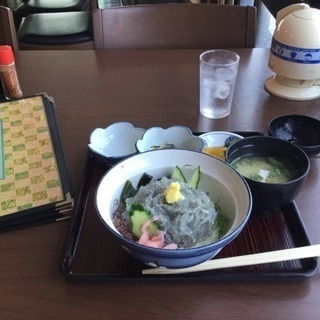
column 148, row 88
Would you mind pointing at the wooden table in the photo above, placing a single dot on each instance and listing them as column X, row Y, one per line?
column 148, row 88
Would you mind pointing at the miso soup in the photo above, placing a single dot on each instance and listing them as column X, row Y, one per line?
column 265, row 169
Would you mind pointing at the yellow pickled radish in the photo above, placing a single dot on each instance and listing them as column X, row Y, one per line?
column 218, row 152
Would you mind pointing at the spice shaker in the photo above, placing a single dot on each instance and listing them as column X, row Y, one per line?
column 8, row 74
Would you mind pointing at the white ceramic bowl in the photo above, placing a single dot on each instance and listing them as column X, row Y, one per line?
column 179, row 137
column 218, row 141
column 218, row 138
column 223, row 184
column 116, row 141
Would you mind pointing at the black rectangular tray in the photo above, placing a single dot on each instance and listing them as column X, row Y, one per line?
column 92, row 254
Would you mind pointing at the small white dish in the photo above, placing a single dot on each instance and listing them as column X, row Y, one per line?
column 218, row 142
column 176, row 137
column 116, row 141
column 218, row 138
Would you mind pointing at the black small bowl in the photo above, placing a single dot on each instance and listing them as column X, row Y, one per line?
column 300, row 130
column 269, row 196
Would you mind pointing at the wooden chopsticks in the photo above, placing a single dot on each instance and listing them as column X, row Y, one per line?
column 245, row 260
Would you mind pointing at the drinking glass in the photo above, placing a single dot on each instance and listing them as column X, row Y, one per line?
column 218, row 72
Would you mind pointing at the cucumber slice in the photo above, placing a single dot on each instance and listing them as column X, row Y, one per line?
column 138, row 219
column 195, row 179
column 177, row 175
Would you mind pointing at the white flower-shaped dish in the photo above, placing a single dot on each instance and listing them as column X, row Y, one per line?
column 176, row 137
column 116, row 141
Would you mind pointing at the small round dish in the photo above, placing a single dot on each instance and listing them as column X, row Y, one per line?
column 176, row 137
column 115, row 142
column 297, row 129
column 217, row 142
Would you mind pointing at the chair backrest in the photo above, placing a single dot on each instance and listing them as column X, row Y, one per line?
column 44, row 6
column 175, row 26
column 8, row 33
column 33, row 25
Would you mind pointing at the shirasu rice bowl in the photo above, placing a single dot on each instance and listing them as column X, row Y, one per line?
column 187, row 223
column 224, row 185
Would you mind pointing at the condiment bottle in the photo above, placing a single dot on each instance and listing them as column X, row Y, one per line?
column 8, row 74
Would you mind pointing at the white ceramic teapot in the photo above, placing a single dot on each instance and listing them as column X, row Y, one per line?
column 295, row 53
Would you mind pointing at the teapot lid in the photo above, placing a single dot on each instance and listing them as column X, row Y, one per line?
column 307, row 14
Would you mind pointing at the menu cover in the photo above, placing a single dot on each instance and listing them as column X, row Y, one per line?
column 34, row 181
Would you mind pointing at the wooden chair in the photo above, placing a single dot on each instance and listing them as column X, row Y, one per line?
column 45, row 31
column 41, row 6
column 26, row 7
column 7, row 29
column 174, row 26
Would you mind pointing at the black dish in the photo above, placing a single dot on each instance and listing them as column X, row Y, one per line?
column 269, row 196
column 300, row 130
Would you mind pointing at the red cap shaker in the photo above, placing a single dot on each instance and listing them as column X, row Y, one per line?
column 8, row 73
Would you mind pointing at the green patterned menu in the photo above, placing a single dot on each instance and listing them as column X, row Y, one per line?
column 1, row 153
column 31, row 174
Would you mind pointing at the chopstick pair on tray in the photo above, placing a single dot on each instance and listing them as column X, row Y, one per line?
column 244, row 260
